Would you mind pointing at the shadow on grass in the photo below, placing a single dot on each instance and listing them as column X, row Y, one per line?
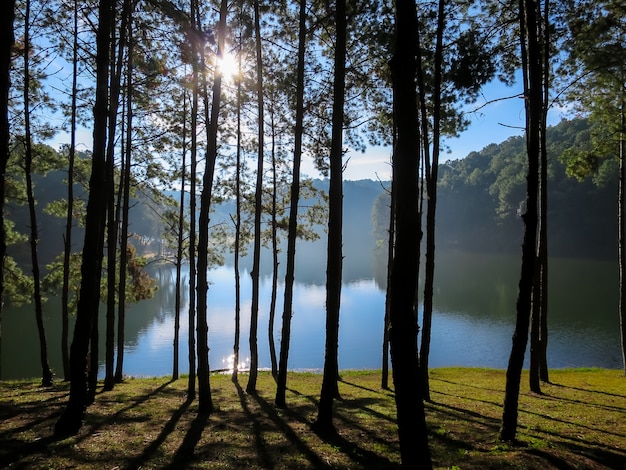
column 169, row 427
column 387, row 392
column 589, row 390
column 185, row 453
column 289, row 433
column 263, row 454
column 363, row 457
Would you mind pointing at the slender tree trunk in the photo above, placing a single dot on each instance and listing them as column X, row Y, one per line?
column 622, row 230
column 46, row 373
column 330, row 388
column 125, row 181
column 543, row 233
column 432, row 169
column 205, row 403
column 281, row 382
column 6, row 45
column 179, row 248
column 539, row 319
column 411, row 419
column 237, row 237
column 258, row 211
column 71, row 419
column 387, row 320
column 116, row 78
column 532, row 77
column 275, row 263
column 191, row 386
column 67, row 240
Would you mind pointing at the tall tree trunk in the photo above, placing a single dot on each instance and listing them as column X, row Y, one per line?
column 6, row 45
column 67, row 239
column 191, row 385
column 237, row 237
column 46, row 373
column 432, row 169
column 411, row 418
column 125, row 181
column 539, row 319
column 387, row 321
column 533, row 78
column 622, row 229
column 71, row 420
column 281, row 381
column 543, row 203
column 258, row 210
column 205, row 404
column 275, row 263
column 334, row 261
column 179, row 247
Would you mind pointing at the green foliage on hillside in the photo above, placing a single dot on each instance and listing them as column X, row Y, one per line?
column 481, row 200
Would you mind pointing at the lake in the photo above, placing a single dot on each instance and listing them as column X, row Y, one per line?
column 473, row 322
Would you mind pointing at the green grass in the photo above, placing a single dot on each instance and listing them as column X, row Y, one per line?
column 579, row 422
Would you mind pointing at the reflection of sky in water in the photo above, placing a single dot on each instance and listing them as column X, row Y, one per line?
column 473, row 327
column 458, row 339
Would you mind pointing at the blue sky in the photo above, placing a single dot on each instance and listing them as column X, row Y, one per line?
column 495, row 121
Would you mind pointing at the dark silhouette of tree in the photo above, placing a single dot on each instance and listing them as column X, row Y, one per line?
column 195, row 65
column 180, row 239
column 533, row 79
column 205, row 403
column 258, row 211
column 124, row 250
column 46, row 373
column 411, row 418
column 330, row 389
column 69, row 220
column 281, row 382
column 6, row 44
column 70, row 420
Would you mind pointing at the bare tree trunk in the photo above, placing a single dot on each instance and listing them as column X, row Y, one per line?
column 205, row 403
column 543, row 233
column 179, row 248
column 432, row 169
column 237, row 238
column 275, row 263
column 330, row 390
column 390, row 251
column 71, row 419
column 411, row 418
column 533, row 79
column 258, row 211
column 67, row 239
column 6, row 45
column 622, row 230
column 281, row 382
column 46, row 373
column 126, row 181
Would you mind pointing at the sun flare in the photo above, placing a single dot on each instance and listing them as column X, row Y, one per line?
column 228, row 66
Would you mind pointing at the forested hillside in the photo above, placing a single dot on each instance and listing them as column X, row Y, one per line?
column 481, row 199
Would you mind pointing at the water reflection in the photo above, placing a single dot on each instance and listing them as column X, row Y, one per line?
column 475, row 309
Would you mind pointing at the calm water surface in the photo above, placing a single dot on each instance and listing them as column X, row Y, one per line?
column 472, row 325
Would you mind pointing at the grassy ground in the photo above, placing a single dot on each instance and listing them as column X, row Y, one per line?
column 579, row 423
